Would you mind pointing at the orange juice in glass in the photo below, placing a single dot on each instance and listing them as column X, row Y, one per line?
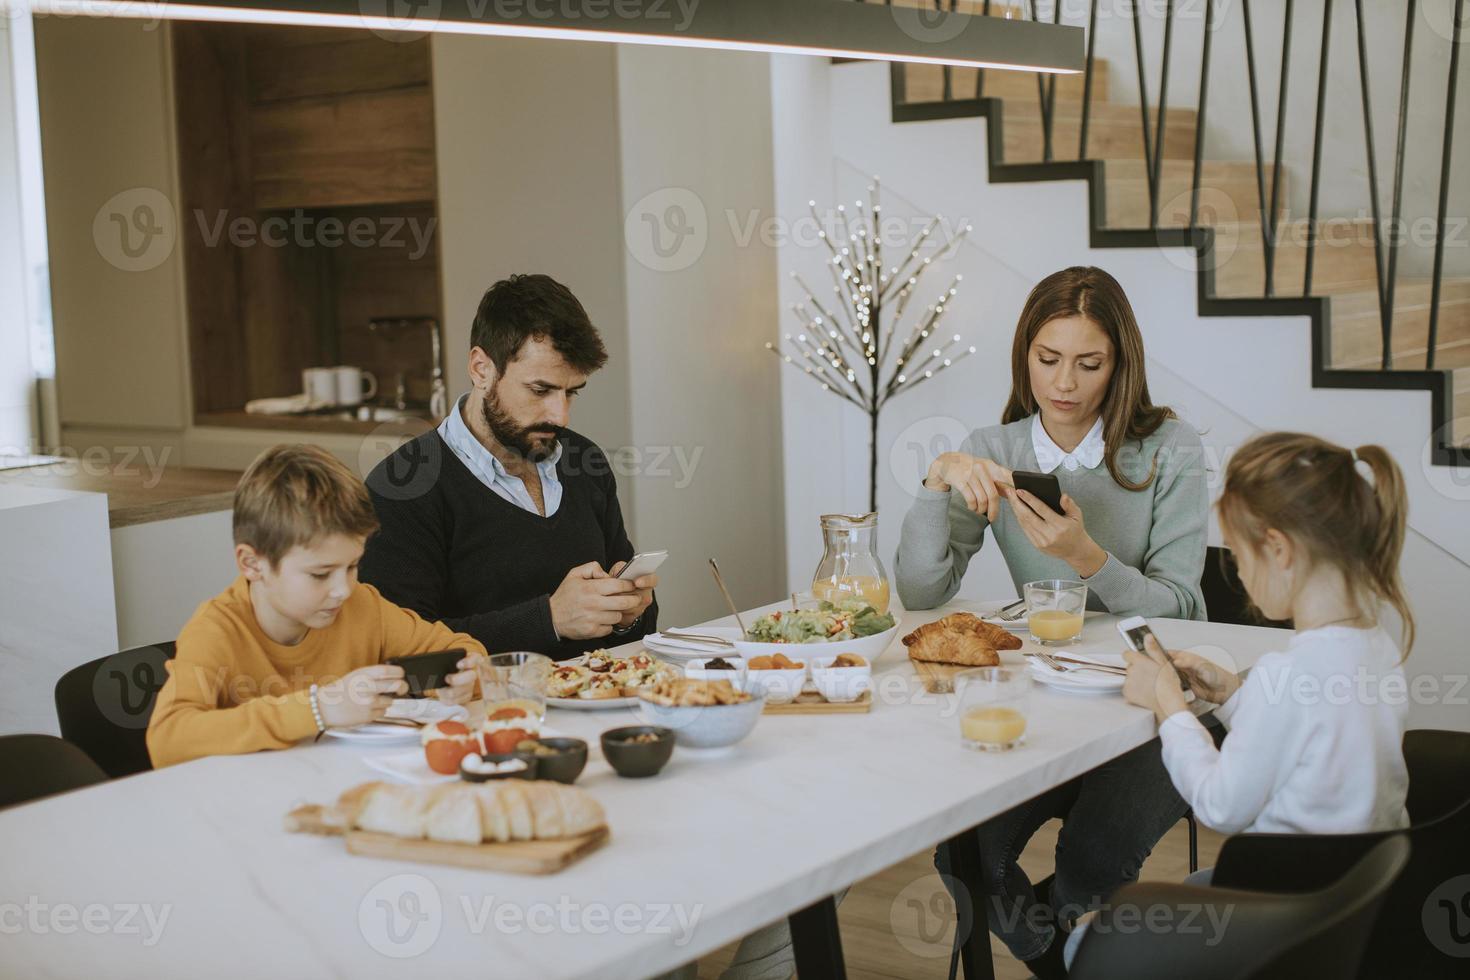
column 992, row 707
column 850, row 568
column 869, row 588
column 1055, row 609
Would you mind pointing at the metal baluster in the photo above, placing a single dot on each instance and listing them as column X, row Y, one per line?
column 947, row 94
column 1444, row 183
column 1148, row 163
column 1398, row 189
column 1158, row 163
column 1041, row 90
column 1386, row 325
column 980, row 76
column 1199, row 117
column 1270, row 252
column 1051, row 88
column 1317, row 147
column 1087, row 79
column 1250, row 64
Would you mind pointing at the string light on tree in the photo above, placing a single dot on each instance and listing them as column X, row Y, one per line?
column 862, row 354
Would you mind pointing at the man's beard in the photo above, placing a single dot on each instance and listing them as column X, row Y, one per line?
column 517, row 438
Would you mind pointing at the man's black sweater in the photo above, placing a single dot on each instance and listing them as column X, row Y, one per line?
column 452, row 549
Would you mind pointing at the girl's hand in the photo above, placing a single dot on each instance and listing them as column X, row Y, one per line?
column 1207, row 679
column 460, row 687
column 1149, row 685
column 361, row 696
column 1061, row 535
column 976, row 478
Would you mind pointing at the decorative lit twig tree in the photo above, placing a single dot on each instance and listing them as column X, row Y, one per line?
column 855, row 356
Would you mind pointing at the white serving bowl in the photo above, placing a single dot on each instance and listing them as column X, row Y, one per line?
column 712, row 726
column 870, row 648
column 777, row 686
column 695, row 671
column 839, row 684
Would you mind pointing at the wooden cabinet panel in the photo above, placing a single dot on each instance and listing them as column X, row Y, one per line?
column 305, row 63
column 360, row 148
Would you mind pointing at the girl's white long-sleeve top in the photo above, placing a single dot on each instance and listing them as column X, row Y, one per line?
column 1315, row 744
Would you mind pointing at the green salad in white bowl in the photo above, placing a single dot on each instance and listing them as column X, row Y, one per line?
column 845, row 626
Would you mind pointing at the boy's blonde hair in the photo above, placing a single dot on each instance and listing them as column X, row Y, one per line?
column 1311, row 491
column 296, row 494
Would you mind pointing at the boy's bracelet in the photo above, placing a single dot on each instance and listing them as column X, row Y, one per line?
column 316, row 711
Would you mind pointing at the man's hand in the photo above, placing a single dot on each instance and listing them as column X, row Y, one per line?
column 975, row 477
column 589, row 603
column 361, row 696
column 645, row 587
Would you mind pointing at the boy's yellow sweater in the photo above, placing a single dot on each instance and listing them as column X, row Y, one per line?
column 232, row 689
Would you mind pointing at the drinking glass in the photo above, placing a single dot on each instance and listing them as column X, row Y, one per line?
column 992, row 707
column 515, row 680
column 1055, row 609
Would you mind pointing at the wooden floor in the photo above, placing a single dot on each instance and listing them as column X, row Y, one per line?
column 899, row 923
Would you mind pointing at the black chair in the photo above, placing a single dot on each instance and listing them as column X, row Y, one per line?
column 33, row 766
column 104, row 706
column 1225, row 598
column 1424, row 929
column 1151, row 931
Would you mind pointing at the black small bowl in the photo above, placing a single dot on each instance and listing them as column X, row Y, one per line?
column 637, row 759
column 566, row 764
column 530, row 772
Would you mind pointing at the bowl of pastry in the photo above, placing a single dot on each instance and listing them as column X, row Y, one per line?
column 701, row 714
column 801, row 634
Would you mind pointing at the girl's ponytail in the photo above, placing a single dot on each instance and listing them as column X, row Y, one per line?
column 1388, row 534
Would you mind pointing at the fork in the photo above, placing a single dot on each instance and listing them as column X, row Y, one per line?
column 1005, row 615
column 1056, row 665
column 680, row 634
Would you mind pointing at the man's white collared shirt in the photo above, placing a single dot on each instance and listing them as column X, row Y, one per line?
column 492, row 472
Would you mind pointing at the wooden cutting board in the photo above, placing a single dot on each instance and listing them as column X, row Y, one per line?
column 937, row 678
column 532, row 857
column 812, row 703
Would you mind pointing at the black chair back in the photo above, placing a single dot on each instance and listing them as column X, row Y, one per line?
column 1424, row 928
column 33, row 766
column 1225, row 598
column 1161, row 932
column 104, row 706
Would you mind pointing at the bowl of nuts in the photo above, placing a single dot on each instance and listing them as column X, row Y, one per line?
column 702, row 714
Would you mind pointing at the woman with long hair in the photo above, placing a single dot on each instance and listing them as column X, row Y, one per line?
column 1132, row 527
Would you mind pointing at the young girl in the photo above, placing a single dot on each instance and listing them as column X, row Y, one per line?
column 1316, row 731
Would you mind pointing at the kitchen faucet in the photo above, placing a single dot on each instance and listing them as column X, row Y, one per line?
column 439, row 393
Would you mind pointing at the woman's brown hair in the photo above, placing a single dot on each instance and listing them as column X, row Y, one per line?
column 1311, row 491
column 1127, row 413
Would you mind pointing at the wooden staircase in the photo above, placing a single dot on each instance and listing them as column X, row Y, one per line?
column 1344, row 301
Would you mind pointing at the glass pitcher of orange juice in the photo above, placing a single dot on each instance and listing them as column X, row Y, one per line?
column 850, row 568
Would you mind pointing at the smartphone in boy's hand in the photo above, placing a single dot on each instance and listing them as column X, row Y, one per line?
column 1136, row 633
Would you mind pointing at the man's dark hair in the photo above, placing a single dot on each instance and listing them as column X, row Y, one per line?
column 535, row 307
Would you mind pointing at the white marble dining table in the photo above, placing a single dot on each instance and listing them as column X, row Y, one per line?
column 188, row 871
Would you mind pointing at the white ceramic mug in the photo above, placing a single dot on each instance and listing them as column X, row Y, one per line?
column 353, row 384
column 319, row 385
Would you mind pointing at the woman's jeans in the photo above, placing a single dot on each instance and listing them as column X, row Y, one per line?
column 1112, row 818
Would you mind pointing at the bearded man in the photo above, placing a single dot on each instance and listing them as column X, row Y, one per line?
column 503, row 523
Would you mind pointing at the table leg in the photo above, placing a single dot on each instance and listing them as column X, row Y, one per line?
column 816, row 941
column 966, row 866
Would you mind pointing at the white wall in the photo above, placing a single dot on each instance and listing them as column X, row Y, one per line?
column 1228, row 376
column 705, row 400
column 17, row 374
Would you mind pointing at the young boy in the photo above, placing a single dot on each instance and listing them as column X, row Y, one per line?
column 296, row 645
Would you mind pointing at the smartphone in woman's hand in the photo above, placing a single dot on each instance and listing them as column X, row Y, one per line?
column 1136, row 631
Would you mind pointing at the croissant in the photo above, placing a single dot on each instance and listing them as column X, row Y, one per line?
column 471, row 813
column 951, row 647
column 994, row 636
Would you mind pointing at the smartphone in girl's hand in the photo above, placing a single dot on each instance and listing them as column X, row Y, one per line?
column 1136, row 631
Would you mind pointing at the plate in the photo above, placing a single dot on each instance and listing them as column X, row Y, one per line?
column 1079, row 681
column 681, row 651
column 590, row 704
column 376, row 733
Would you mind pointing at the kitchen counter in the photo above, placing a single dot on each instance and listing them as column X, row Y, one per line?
column 135, row 493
